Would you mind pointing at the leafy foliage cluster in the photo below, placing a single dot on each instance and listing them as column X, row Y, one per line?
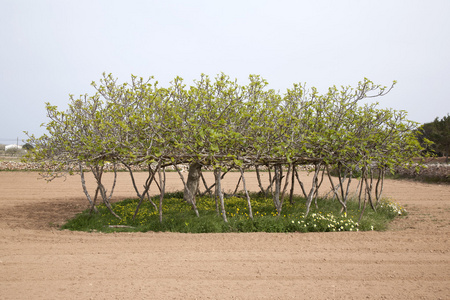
column 220, row 124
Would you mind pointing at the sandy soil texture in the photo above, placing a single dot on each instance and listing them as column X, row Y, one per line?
column 37, row 261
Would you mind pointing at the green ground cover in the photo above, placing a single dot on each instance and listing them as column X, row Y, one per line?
column 178, row 216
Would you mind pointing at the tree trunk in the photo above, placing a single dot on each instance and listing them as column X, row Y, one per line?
column 363, row 208
column 192, row 183
column 250, row 211
column 313, row 189
column 271, row 180
column 301, row 184
column 291, row 193
column 286, row 182
column 276, row 194
column 258, row 176
column 98, row 172
column 219, row 193
column 187, row 191
column 205, row 184
column 316, row 193
column 344, row 206
column 237, row 185
column 369, row 190
column 147, row 184
column 83, row 184
column 363, row 176
column 162, row 183
column 350, row 176
column 378, row 188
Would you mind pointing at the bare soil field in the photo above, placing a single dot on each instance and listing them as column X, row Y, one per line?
column 411, row 260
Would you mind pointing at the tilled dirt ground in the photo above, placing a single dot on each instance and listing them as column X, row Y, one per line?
column 38, row 261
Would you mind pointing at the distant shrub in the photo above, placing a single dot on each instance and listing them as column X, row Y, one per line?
column 27, row 146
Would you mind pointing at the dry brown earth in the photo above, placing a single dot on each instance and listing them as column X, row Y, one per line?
column 37, row 261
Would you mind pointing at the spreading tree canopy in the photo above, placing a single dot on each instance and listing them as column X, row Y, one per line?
column 218, row 124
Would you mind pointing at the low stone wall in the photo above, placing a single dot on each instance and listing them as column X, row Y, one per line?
column 430, row 172
column 22, row 166
column 19, row 166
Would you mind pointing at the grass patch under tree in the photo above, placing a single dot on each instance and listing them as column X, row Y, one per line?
column 179, row 216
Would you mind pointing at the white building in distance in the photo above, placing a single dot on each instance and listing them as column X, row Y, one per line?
column 7, row 147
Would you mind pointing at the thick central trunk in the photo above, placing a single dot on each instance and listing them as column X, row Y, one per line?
column 192, row 183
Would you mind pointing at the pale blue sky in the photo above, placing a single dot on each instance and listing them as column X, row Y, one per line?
column 50, row 49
